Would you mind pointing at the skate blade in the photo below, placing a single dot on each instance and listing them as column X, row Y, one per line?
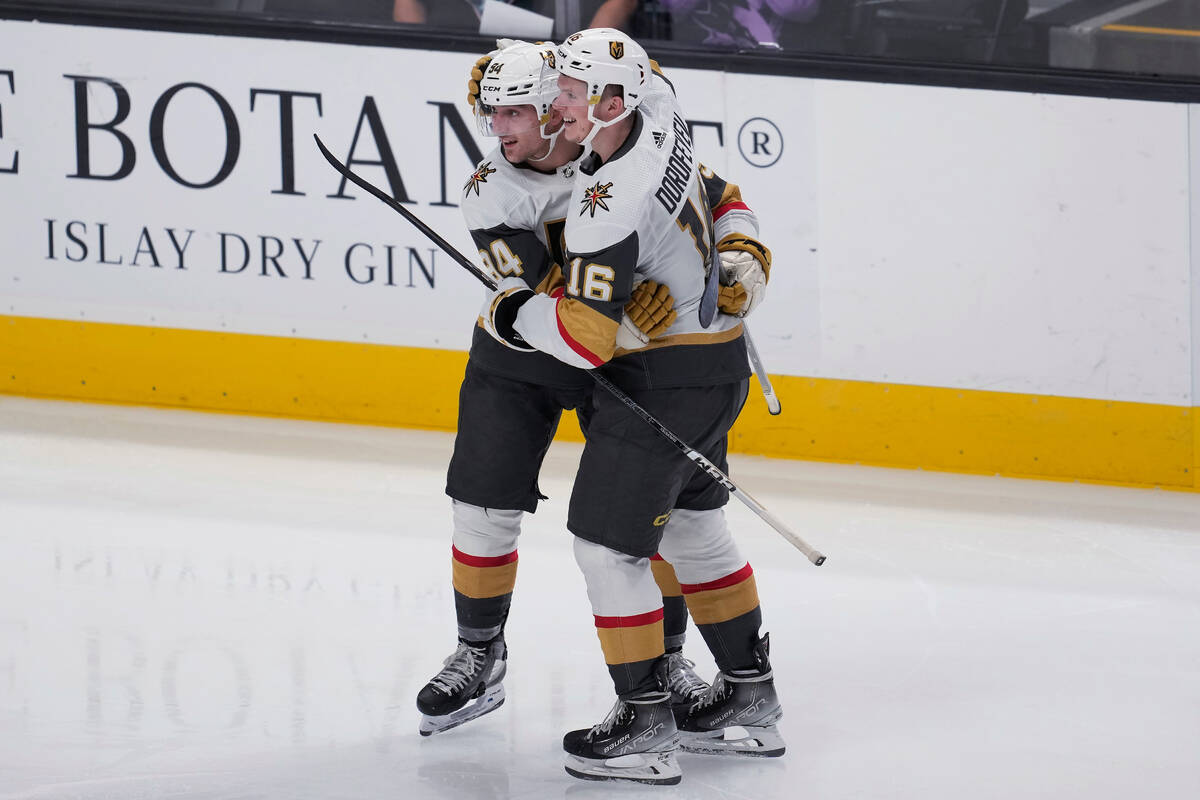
column 492, row 699
column 660, row 769
column 754, row 742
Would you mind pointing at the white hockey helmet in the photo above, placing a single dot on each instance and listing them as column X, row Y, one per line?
column 519, row 74
column 602, row 57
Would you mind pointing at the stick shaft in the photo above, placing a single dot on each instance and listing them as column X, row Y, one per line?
column 764, row 381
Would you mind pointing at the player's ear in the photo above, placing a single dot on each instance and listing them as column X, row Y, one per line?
column 612, row 105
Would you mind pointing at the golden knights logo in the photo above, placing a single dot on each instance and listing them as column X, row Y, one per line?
column 548, row 57
column 477, row 177
column 594, row 197
column 616, row 49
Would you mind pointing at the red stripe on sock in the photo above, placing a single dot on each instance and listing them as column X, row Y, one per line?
column 483, row 561
column 649, row 618
column 732, row 579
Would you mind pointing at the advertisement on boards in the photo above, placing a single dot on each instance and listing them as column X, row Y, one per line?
column 167, row 179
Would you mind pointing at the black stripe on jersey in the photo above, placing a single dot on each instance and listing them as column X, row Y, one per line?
column 621, row 258
column 714, row 186
column 536, row 261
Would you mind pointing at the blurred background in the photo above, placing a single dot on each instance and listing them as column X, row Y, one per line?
column 1148, row 37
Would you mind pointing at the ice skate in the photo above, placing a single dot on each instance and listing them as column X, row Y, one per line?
column 686, row 686
column 635, row 742
column 473, row 672
column 738, row 714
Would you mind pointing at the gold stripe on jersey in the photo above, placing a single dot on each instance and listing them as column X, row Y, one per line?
column 664, row 576
column 627, row 645
column 553, row 280
column 701, row 337
column 721, row 605
column 587, row 331
column 732, row 194
column 481, row 583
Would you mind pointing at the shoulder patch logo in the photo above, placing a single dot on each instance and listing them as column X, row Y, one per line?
column 594, row 197
column 477, row 177
column 660, row 138
column 616, row 49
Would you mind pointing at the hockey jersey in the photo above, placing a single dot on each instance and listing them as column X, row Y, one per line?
column 644, row 214
column 516, row 215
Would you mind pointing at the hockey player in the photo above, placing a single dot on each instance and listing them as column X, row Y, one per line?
column 639, row 212
column 510, row 402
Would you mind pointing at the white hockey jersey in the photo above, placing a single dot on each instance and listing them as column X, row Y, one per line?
column 516, row 215
column 643, row 214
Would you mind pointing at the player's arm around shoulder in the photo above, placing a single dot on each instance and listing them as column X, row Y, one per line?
column 578, row 323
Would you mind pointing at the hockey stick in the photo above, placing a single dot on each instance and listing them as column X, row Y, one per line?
column 696, row 456
column 763, row 381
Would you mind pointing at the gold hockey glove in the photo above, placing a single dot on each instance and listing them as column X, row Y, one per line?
column 648, row 314
column 476, row 76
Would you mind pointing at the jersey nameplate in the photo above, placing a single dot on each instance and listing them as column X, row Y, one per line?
column 680, row 168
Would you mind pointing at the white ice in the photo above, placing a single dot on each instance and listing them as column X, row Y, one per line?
column 221, row 607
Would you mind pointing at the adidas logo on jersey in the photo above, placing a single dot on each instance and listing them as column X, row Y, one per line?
column 660, row 138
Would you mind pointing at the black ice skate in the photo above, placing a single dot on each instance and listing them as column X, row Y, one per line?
column 472, row 672
column 635, row 742
column 738, row 715
column 686, row 686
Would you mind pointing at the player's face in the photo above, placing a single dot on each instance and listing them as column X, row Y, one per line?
column 572, row 103
column 517, row 128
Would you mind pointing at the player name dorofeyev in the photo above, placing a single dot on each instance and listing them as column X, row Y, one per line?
column 680, row 168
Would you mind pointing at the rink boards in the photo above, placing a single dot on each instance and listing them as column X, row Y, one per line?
column 964, row 280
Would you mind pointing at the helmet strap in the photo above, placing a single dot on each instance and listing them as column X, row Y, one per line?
column 551, row 139
column 597, row 124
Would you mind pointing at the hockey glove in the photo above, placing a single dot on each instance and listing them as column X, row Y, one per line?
column 648, row 314
column 746, row 266
column 501, row 313
column 480, row 68
column 476, row 76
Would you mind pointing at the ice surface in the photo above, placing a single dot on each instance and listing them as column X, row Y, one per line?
column 221, row 607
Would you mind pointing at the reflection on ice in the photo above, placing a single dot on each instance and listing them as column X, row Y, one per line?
column 199, row 606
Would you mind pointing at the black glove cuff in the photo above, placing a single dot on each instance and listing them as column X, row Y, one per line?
column 504, row 316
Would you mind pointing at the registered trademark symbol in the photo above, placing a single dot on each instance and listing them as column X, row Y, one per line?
column 760, row 142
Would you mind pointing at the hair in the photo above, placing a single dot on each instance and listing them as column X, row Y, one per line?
column 613, row 90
